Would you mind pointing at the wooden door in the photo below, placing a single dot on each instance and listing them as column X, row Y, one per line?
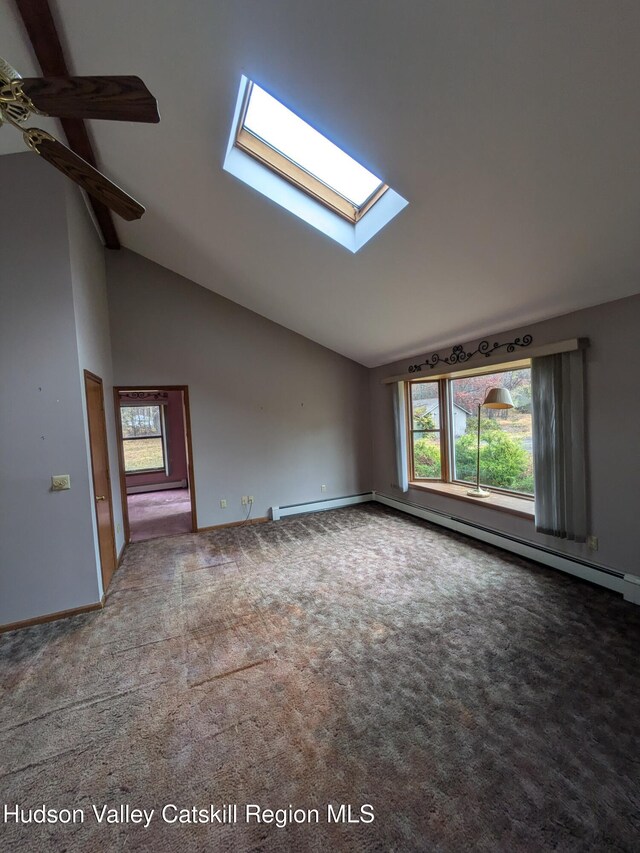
column 101, row 478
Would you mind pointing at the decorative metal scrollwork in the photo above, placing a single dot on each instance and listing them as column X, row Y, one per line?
column 14, row 103
column 145, row 396
column 12, row 93
column 459, row 355
column 34, row 137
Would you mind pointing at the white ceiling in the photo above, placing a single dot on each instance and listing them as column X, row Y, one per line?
column 513, row 129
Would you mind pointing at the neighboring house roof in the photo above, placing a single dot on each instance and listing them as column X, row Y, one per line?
column 433, row 405
column 462, row 409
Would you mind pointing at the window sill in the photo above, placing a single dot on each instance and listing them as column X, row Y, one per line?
column 522, row 507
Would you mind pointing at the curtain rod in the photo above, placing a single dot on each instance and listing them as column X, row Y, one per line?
column 569, row 345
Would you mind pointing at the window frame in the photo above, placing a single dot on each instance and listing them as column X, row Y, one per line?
column 447, row 440
column 161, row 436
column 443, row 416
column 278, row 162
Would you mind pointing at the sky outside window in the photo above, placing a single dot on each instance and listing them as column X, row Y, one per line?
column 271, row 121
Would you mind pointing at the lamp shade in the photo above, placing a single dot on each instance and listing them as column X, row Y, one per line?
column 498, row 398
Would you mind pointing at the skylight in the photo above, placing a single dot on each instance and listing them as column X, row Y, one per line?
column 276, row 125
column 277, row 153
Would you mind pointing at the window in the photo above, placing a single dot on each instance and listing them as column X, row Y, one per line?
column 277, row 153
column 443, row 423
column 273, row 134
column 143, row 438
column 426, row 440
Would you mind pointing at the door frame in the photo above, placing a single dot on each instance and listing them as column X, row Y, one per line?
column 94, row 378
column 187, row 431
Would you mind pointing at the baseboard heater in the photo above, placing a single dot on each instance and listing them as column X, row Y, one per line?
column 278, row 512
column 157, row 487
column 626, row 584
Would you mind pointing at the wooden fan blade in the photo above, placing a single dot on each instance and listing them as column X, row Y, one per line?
column 116, row 98
column 90, row 179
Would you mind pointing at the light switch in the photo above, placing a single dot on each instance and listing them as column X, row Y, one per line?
column 60, row 482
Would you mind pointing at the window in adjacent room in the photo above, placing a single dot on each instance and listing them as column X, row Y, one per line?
column 143, row 439
column 443, row 425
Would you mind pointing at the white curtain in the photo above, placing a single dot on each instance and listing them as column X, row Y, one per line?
column 559, row 450
column 400, row 423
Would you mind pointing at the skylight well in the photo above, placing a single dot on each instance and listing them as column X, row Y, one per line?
column 282, row 156
column 284, row 141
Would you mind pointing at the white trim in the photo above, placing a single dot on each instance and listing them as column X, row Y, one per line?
column 555, row 561
column 278, row 512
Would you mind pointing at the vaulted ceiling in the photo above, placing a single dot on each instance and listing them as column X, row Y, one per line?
column 512, row 127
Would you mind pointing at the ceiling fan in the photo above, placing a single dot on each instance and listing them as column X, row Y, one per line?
column 116, row 98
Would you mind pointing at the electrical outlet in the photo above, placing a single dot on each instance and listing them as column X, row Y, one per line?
column 250, row 499
column 323, row 488
column 592, row 543
column 60, row 482
column 244, row 500
column 223, row 504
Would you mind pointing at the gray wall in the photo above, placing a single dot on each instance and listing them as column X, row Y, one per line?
column 273, row 414
column 47, row 551
column 89, row 287
column 613, row 424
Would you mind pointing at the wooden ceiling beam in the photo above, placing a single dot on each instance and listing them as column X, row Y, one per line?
column 41, row 29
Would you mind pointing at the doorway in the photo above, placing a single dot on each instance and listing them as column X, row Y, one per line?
column 156, row 461
column 100, row 476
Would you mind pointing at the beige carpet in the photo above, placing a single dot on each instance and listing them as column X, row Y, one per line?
column 476, row 701
column 159, row 513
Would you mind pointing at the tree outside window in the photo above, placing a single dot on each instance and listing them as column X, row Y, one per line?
column 506, row 458
column 142, row 438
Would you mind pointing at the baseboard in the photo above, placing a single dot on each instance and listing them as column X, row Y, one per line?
column 120, row 556
column 609, row 578
column 278, row 512
column 260, row 520
column 157, row 487
column 52, row 617
column 631, row 590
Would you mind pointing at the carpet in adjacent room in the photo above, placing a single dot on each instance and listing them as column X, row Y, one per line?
column 164, row 512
